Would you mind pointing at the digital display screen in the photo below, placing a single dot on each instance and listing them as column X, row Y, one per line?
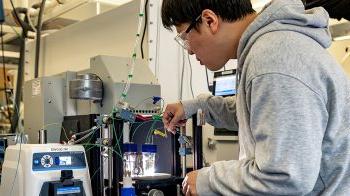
column 67, row 160
column 68, row 190
column 225, row 85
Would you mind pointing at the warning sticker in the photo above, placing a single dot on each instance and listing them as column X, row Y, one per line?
column 36, row 87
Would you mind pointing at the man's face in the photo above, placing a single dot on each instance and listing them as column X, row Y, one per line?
column 208, row 41
column 201, row 45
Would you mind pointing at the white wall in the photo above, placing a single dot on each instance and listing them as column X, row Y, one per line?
column 111, row 33
column 338, row 51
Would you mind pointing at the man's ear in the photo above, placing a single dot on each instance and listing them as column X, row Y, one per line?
column 210, row 19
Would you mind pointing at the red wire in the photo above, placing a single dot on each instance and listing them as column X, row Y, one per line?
column 143, row 118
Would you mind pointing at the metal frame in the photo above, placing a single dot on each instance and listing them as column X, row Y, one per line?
column 197, row 144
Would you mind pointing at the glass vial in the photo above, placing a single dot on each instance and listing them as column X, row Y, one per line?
column 149, row 152
column 129, row 159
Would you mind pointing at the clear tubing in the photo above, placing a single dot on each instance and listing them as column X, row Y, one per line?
column 137, row 40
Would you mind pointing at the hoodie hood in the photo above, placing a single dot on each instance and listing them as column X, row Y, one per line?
column 286, row 15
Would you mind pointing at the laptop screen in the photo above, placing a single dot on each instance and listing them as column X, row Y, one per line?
column 225, row 83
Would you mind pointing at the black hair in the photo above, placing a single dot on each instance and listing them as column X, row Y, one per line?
column 176, row 12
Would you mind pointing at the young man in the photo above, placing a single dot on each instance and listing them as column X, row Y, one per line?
column 293, row 102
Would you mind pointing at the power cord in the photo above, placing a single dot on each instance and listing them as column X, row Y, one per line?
column 16, row 15
column 206, row 73
column 18, row 160
column 191, row 85
column 144, row 30
column 30, row 22
column 182, row 73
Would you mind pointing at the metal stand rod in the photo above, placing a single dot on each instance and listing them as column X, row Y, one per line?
column 110, row 161
column 42, row 136
column 20, row 79
column 106, row 151
column 101, row 165
column 176, row 169
column 106, row 157
column 197, row 144
column 183, row 158
column 178, row 190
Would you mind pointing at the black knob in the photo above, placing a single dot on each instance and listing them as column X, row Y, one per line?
column 47, row 161
column 66, row 174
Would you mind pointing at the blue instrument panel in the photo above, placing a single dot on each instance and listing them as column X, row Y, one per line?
column 48, row 161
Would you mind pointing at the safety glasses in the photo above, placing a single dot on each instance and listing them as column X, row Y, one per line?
column 181, row 38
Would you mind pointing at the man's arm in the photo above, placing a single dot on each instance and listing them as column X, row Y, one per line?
column 219, row 111
column 287, row 122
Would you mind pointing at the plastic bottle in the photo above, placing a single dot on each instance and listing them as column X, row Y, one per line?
column 130, row 158
column 149, row 152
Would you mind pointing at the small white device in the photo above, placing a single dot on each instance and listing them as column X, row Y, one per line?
column 45, row 169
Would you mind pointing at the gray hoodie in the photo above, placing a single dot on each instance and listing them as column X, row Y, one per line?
column 293, row 110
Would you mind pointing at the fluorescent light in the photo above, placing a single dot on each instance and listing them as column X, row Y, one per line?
column 341, row 38
column 258, row 5
column 115, row 2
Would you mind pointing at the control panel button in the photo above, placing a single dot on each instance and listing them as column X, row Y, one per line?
column 36, row 162
column 46, row 161
column 49, row 161
column 57, row 160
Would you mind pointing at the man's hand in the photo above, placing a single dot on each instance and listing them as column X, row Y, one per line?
column 189, row 184
column 173, row 117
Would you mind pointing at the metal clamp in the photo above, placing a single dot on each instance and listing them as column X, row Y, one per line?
column 185, row 151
